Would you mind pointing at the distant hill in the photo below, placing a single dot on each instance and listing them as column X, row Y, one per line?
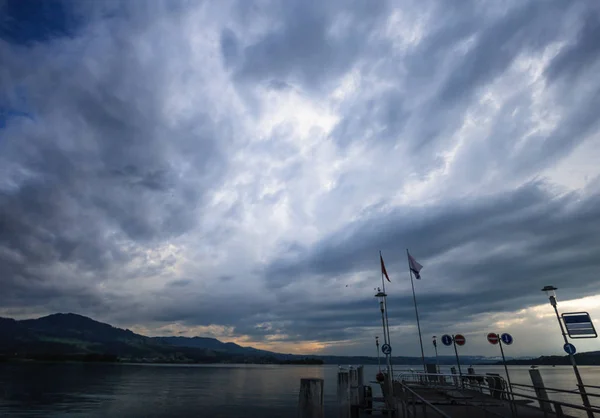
column 71, row 336
column 210, row 343
column 590, row 358
column 75, row 337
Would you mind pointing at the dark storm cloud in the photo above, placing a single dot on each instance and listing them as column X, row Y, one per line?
column 104, row 167
column 545, row 239
column 97, row 172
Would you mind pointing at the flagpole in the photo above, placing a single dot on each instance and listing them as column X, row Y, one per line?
column 416, row 311
column 385, row 303
column 386, row 319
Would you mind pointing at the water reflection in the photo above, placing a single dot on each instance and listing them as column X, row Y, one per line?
column 227, row 391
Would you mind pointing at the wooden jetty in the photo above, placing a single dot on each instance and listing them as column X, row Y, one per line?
column 436, row 395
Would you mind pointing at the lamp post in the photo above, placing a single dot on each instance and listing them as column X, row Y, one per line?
column 437, row 363
column 551, row 293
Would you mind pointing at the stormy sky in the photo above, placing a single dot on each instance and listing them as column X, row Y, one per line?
column 233, row 168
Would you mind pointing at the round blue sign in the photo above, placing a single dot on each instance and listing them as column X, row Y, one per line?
column 569, row 348
column 386, row 349
column 506, row 338
column 446, row 339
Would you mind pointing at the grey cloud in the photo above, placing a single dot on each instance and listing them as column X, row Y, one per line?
column 509, row 246
column 229, row 47
column 179, row 283
column 101, row 174
column 519, row 30
column 439, row 82
column 579, row 55
column 300, row 48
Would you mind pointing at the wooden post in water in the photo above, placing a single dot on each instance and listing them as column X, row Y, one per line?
column 540, row 389
column 353, row 377
column 343, row 394
column 361, row 385
column 310, row 399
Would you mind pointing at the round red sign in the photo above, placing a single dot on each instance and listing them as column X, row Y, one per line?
column 459, row 339
column 492, row 338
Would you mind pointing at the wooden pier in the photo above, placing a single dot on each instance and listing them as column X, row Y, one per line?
column 434, row 395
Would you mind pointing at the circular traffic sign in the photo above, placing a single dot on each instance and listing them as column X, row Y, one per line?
column 492, row 337
column 446, row 339
column 460, row 339
column 386, row 349
column 569, row 348
column 507, row 338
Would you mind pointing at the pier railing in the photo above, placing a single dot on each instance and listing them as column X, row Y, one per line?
column 411, row 404
column 551, row 405
column 497, row 387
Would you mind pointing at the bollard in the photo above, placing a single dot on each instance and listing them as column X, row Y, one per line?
column 343, row 395
column 540, row 389
column 310, row 399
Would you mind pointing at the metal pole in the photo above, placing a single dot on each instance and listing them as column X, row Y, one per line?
column 513, row 407
column 389, row 340
column 505, row 366
column 437, row 362
column 416, row 312
column 457, row 360
column 378, row 358
column 584, row 397
column 387, row 356
column 388, row 333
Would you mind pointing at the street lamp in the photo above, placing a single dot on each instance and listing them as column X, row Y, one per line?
column 551, row 293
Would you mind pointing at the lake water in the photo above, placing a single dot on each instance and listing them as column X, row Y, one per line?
column 210, row 391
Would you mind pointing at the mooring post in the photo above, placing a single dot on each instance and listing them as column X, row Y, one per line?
column 353, row 377
column 310, row 399
column 343, row 394
column 540, row 389
column 361, row 385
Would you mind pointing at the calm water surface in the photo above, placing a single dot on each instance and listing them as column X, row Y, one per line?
column 227, row 391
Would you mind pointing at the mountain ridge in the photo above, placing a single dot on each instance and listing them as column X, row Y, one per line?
column 72, row 336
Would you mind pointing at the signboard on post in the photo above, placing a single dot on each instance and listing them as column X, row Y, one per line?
column 386, row 349
column 492, row 338
column 579, row 325
column 446, row 340
column 459, row 339
column 506, row 338
column 569, row 348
